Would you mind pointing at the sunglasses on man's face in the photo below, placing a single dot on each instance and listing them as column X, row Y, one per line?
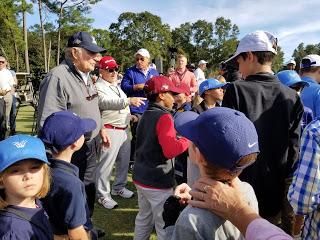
column 2, row 62
column 112, row 70
column 139, row 59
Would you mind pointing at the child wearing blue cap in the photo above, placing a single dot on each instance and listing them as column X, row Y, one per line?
column 63, row 133
column 291, row 79
column 24, row 177
column 212, row 92
column 224, row 142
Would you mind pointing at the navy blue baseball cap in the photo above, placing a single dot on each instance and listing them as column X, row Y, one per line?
column 20, row 147
column 211, row 83
column 223, row 135
column 61, row 129
column 86, row 41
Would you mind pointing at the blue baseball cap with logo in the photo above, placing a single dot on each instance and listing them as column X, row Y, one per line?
column 86, row 41
column 61, row 129
column 210, row 83
column 223, row 135
column 20, row 147
column 290, row 78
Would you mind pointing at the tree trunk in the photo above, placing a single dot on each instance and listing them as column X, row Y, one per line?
column 49, row 55
column 43, row 37
column 25, row 38
column 16, row 51
column 59, row 31
column 59, row 36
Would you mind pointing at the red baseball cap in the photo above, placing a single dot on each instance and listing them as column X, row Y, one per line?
column 185, row 88
column 161, row 84
column 107, row 62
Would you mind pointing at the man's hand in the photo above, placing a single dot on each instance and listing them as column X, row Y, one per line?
column 106, row 142
column 225, row 200
column 182, row 191
column 3, row 92
column 222, row 199
column 139, row 86
column 134, row 118
column 137, row 101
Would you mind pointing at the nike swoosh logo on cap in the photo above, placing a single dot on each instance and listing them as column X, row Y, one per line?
column 250, row 145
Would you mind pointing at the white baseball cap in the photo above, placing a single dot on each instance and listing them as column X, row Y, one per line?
column 143, row 52
column 312, row 60
column 202, row 62
column 258, row 41
column 291, row 61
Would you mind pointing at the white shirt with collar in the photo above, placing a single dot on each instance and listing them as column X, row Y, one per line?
column 199, row 75
column 6, row 79
column 113, row 104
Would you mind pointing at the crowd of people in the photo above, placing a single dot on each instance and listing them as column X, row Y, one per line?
column 243, row 146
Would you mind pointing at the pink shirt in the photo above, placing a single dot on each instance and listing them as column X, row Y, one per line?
column 261, row 229
column 185, row 77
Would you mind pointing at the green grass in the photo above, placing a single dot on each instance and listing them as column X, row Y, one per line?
column 118, row 223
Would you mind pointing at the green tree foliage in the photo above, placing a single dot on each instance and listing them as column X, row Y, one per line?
column 139, row 30
column 278, row 61
column 205, row 40
column 11, row 38
column 302, row 51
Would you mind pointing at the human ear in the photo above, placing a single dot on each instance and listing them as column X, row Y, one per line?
column 161, row 96
column 75, row 53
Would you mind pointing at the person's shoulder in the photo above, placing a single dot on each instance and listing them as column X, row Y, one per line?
column 198, row 216
column 131, row 69
column 153, row 71
column 313, row 126
column 63, row 178
column 100, row 84
column 12, row 226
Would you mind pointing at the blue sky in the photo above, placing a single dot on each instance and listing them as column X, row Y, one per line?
column 291, row 21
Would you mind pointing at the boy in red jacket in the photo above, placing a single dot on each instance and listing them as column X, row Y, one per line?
column 156, row 145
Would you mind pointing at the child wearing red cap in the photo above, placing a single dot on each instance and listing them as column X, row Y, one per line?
column 156, row 145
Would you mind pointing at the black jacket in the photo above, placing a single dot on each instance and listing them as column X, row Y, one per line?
column 151, row 167
column 276, row 111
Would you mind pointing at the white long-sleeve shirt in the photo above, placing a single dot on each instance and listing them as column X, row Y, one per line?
column 113, row 104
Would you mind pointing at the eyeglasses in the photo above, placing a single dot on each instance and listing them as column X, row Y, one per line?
column 140, row 59
column 112, row 70
column 92, row 92
column 2, row 62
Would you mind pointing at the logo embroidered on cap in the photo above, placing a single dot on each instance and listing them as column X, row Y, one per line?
column 250, row 145
column 77, row 41
column 164, row 87
column 21, row 144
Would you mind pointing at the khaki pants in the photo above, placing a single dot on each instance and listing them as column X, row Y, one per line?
column 8, row 104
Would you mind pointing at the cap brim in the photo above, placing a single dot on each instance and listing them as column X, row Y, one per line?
column 88, row 124
column 94, row 48
column 185, row 123
column 232, row 61
column 176, row 90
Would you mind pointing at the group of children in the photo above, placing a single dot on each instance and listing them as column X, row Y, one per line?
column 25, row 177
column 221, row 141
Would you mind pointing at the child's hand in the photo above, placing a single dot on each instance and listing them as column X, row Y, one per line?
column 182, row 191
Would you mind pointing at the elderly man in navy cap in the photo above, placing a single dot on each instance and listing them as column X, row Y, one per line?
column 69, row 87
